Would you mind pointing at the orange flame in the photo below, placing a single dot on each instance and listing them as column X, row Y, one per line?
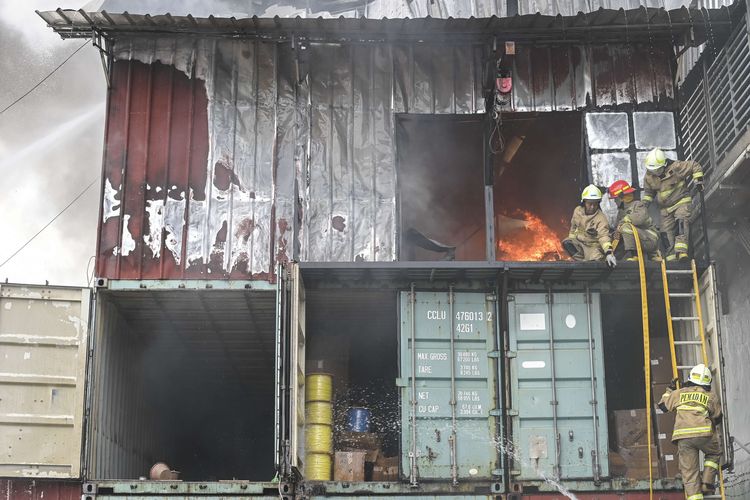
column 536, row 242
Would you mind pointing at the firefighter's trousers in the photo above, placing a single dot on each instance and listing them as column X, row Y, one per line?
column 688, row 451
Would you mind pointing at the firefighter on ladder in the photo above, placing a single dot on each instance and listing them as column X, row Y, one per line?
column 589, row 237
column 631, row 214
column 698, row 412
column 667, row 181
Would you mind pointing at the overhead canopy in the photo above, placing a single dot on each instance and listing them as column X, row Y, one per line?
column 683, row 26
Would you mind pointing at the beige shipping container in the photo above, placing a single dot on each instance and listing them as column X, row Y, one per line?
column 43, row 346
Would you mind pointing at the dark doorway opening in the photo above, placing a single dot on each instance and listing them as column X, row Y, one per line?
column 537, row 182
column 441, row 187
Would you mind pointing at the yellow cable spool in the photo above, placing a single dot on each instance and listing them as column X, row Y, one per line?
column 319, row 387
column 319, row 412
column 318, row 467
column 318, row 438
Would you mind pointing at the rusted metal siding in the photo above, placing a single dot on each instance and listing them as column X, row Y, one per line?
column 568, row 77
column 220, row 164
column 31, row 489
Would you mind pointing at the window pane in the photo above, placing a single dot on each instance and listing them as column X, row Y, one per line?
column 654, row 130
column 606, row 168
column 607, row 130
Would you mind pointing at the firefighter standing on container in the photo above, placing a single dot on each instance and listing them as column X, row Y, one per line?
column 698, row 411
column 667, row 181
column 632, row 214
column 589, row 230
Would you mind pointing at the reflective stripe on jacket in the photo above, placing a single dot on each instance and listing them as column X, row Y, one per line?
column 696, row 410
column 670, row 188
column 591, row 230
column 635, row 213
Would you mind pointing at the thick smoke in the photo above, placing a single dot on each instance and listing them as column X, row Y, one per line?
column 50, row 147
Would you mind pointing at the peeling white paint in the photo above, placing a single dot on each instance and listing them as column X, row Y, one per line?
column 61, row 305
column 27, row 355
column 8, row 306
column 174, row 224
column 128, row 243
column 155, row 210
column 110, row 203
column 195, row 236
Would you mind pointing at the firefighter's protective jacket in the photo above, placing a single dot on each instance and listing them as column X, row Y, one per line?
column 696, row 408
column 591, row 230
column 635, row 213
column 671, row 188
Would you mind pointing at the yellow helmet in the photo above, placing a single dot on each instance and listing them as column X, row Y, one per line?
column 591, row 192
column 655, row 159
column 701, row 375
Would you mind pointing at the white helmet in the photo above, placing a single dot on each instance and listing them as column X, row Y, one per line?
column 655, row 159
column 591, row 192
column 701, row 375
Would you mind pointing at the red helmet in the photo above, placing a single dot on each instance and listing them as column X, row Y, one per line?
column 619, row 188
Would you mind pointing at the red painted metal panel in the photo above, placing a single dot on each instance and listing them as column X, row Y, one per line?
column 157, row 136
column 33, row 489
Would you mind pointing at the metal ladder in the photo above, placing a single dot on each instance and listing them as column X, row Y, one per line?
column 698, row 338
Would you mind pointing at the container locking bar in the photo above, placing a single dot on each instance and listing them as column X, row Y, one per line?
column 554, row 383
column 413, row 481
column 452, row 438
column 594, row 403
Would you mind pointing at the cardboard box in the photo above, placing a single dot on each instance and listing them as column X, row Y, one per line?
column 636, row 462
column 664, row 425
column 630, row 428
column 669, row 466
column 661, row 361
column 349, row 466
column 385, row 469
column 365, row 441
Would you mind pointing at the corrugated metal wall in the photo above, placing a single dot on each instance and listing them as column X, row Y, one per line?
column 219, row 165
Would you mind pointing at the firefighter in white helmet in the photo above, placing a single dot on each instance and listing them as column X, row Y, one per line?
column 698, row 412
column 667, row 181
column 589, row 237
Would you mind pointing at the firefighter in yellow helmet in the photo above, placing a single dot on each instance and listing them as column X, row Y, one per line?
column 633, row 215
column 589, row 230
column 698, row 412
column 667, row 181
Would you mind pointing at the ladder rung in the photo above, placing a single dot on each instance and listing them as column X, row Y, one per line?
column 684, row 318
column 682, row 294
column 679, row 271
column 711, row 496
column 682, row 367
column 687, row 342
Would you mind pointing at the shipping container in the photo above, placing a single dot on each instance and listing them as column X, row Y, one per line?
column 209, row 377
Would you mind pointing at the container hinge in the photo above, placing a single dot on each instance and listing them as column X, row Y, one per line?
column 515, row 472
column 512, row 413
column 493, row 354
column 401, row 382
column 497, row 472
column 510, row 298
column 496, row 412
column 491, row 298
column 511, row 354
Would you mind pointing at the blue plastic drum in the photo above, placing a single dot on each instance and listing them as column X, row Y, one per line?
column 358, row 420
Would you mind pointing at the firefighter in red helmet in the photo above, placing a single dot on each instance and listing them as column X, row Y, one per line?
column 632, row 215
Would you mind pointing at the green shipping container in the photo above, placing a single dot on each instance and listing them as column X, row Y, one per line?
column 559, row 417
column 447, row 342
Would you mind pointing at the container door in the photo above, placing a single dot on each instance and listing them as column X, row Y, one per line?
column 297, row 368
column 557, row 387
column 710, row 307
column 447, row 379
column 44, row 338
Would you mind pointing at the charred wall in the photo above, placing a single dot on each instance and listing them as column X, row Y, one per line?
column 220, row 162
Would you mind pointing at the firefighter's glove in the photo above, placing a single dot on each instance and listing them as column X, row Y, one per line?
column 611, row 260
column 673, row 384
column 699, row 185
